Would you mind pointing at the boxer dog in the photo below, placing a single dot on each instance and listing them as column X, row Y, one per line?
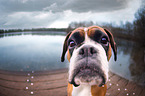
column 88, row 51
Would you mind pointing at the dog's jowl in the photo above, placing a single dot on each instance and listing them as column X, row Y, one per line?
column 88, row 51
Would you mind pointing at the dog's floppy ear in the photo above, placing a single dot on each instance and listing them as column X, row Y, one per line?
column 113, row 44
column 65, row 46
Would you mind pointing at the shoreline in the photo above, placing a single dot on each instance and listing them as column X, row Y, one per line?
column 53, row 32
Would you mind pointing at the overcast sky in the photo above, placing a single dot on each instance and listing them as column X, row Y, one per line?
column 59, row 13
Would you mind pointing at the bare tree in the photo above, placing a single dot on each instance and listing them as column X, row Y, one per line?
column 139, row 24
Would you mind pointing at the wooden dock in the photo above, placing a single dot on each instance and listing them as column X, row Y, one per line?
column 54, row 83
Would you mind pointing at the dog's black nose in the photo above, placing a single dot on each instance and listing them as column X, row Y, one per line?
column 87, row 50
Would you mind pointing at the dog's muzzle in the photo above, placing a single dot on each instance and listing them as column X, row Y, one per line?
column 88, row 68
column 88, row 75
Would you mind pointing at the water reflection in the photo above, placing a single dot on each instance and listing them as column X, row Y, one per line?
column 42, row 33
column 131, row 61
column 137, row 66
column 31, row 51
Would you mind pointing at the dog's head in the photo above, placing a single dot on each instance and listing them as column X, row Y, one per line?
column 88, row 51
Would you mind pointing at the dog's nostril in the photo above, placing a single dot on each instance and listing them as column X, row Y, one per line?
column 92, row 50
column 87, row 51
column 81, row 52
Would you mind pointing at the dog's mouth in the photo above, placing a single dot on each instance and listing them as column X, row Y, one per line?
column 91, row 75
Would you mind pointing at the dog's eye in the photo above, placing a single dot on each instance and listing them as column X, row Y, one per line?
column 72, row 44
column 104, row 41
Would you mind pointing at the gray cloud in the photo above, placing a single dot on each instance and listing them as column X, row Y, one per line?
column 19, row 5
column 94, row 5
column 9, row 6
column 29, row 19
column 44, row 13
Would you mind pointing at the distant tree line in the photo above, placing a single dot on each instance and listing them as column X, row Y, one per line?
column 139, row 24
column 133, row 31
column 33, row 29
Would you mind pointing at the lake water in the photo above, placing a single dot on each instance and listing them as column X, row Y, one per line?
column 31, row 51
column 42, row 51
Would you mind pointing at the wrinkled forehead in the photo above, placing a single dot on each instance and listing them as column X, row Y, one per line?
column 94, row 30
column 78, row 32
column 91, row 32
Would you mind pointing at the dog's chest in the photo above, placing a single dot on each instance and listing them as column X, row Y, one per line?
column 82, row 90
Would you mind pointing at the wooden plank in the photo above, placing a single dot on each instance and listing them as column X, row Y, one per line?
column 34, row 86
column 112, row 86
column 34, row 79
column 12, row 92
column 115, row 78
column 48, row 85
column 130, row 90
column 2, row 94
column 13, row 78
column 21, row 73
column 110, row 74
column 51, row 72
column 113, row 81
column 120, row 86
column 138, row 90
column 49, row 77
column 17, row 73
column 54, row 92
column 143, row 92
column 55, row 84
column 117, row 85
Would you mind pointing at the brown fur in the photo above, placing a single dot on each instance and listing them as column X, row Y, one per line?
column 98, row 91
column 95, row 90
column 69, row 89
column 68, row 56
column 109, row 53
column 91, row 30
